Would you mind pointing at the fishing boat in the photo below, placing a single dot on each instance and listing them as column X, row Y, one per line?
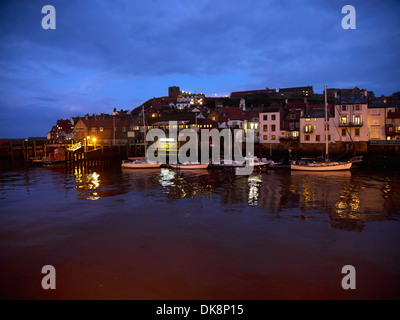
column 307, row 164
column 142, row 163
column 189, row 166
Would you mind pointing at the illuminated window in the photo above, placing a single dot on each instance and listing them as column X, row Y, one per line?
column 308, row 128
column 265, row 137
column 94, row 129
column 265, row 128
column 357, row 119
column 308, row 119
column 101, row 128
column 343, row 119
column 273, row 128
column 273, row 137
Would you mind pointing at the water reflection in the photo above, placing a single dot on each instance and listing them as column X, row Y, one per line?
column 349, row 200
column 346, row 199
column 254, row 182
column 185, row 184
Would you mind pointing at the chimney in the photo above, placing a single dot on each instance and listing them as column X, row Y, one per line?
column 366, row 93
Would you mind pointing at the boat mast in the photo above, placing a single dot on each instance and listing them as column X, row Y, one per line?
column 144, row 131
column 326, row 126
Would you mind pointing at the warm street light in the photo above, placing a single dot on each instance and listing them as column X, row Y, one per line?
column 114, row 114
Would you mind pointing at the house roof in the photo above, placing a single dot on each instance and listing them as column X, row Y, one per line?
column 351, row 99
column 381, row 104
column 273, row 107
column 295, row 105
column 106, row 124
column 231, row 113
column 209, row 121
column 316, row 113
column 175, row 116
column 251, row 114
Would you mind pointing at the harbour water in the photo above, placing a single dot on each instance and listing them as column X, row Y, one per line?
column 165, row 234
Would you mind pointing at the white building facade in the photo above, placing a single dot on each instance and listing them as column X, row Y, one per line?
column 270, row 125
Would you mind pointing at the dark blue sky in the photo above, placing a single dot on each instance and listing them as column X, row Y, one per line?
column 106, row 54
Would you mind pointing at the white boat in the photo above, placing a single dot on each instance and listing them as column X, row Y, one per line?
column 257, row 163
column 326, row 165
column 189, row 166
column 141, row 163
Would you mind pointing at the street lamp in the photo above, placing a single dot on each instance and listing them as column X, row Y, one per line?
column 114, row 114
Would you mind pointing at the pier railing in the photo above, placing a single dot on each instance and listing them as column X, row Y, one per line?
column 85, row 161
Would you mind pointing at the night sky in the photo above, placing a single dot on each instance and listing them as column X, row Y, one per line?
column 106, row 54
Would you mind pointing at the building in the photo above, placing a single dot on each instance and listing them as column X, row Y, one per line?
column 291, row 121
column 101, row 131
column 231, row 117
column 242, row 94
column 392, row 127
column 174, row 92
column 351, row 115
column 62, row 132
column 271, row 120
column 376, row 121
column 312, row 126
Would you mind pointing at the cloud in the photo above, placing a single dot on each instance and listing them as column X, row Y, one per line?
column 105, row 54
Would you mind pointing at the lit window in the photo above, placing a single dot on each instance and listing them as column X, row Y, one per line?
column 265, row 129
column 101, row 128
column 357, row 119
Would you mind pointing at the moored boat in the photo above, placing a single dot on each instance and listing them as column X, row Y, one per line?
column 326, row 164
column 189, row 166
column 140, row 164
